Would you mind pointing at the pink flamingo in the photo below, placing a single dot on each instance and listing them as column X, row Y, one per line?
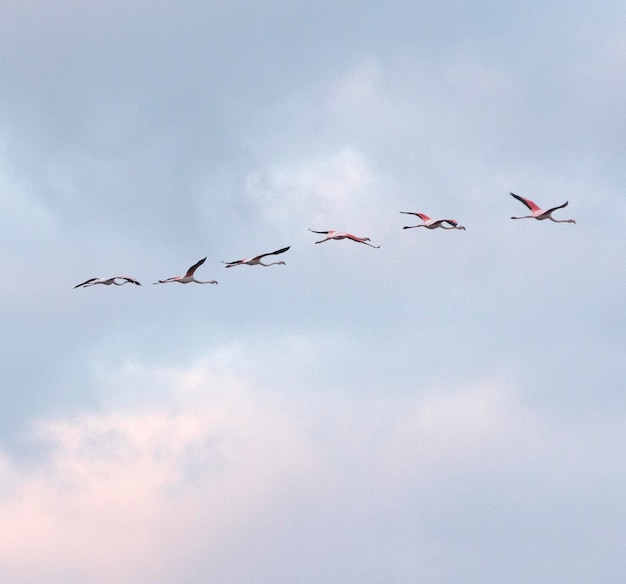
column 108, row 281
column 432, row 223
column 256, row 260
column 539, row 213
column 337, row 235
column 188, row 277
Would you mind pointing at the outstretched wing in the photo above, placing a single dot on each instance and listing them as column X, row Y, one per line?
column 235, row 263
column 559, row 207
column 193, row 268
column 129, row 280
column 422, row 216
column 90, row 281
column 532, row 206
column 320, row 232
column 283, row 250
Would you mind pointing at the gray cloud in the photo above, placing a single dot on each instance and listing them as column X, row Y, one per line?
column 138, row 139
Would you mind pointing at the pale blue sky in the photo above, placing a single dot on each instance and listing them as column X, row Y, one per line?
column 446, row 409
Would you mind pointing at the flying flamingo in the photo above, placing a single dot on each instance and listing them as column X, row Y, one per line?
column 108, row 281
column 539, row 213
column 188, row 277
column 337, row 235
column 432, row 223
column 256, row 260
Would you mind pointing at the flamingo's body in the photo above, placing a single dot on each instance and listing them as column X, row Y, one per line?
column 337, row 235
column 108, row 281
column 188, row 277
column 539, row 213
column 256, row 260
column 433, row 223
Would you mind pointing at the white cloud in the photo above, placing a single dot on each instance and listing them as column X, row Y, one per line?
column 131, row 493
column 121, row 489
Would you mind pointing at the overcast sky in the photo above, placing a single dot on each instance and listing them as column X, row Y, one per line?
column 447, row 409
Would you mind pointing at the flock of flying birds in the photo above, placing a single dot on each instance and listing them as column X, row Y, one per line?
column 536, row 213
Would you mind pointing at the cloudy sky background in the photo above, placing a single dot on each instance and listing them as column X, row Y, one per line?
column 449, row 408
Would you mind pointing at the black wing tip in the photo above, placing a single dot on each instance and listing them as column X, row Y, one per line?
column 130, row 280
column 195, row 266
column 522, row 200
column 85, row 282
